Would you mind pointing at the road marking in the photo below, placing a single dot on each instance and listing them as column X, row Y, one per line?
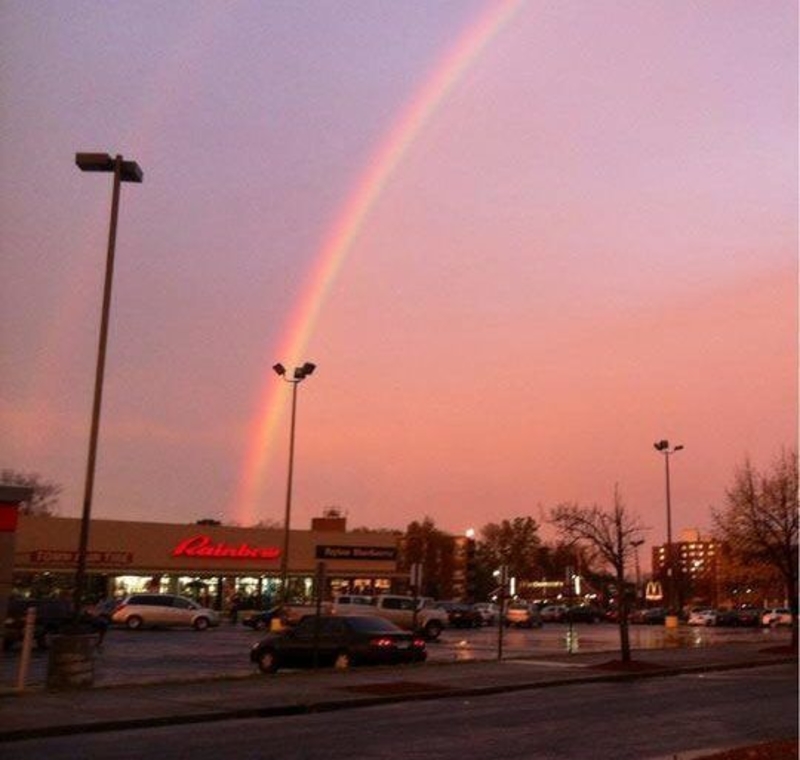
column 548, row 663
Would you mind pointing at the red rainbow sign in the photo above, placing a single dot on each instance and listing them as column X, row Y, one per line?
column 204, row 546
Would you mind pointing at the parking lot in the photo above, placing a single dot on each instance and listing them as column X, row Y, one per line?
column 129, row 657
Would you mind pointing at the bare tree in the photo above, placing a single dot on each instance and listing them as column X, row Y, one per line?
column 612, row 534
column 759, row 522
column 514, row 543
column 44, row 500
column 425, row 544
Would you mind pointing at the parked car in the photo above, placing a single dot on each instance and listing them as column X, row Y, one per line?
column 52, row 617
column 648, row 616
column 461, row 615
column 347, row 600
column 777, row 616
column 743, row 617
column 747, row 616
column 292, row 614
column 727, row 618
column 339, row 641
column 553, row 613
column 488, row 612
column 163, row 610
column 583, row 613
column 705, row 617
column 428, row 619
column 104, row 609
column 260, row 620
column 522, row 614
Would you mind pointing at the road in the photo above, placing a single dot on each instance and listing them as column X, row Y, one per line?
column 146, row 656
column 637, row 720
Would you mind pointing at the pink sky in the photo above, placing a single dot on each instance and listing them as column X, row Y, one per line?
column 590, row 245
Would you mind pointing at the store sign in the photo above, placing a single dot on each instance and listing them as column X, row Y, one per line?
column 206, row 547
column 357, row 552
column 57, row 557
column 653, row 591
column 542, row 584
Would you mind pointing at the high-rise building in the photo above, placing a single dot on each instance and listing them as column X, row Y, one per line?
column 697, row 563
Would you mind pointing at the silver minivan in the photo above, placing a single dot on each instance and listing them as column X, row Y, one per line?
column 163, row 610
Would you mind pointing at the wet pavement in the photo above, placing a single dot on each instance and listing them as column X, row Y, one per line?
column 37, row 712
column 140, row 657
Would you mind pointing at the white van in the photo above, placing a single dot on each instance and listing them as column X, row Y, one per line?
column 353, row 604
column 163, row 610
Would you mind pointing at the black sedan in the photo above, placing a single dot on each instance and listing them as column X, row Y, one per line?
column 339, row 641
column 745, row 617
column 460, row 615
column 583, row 613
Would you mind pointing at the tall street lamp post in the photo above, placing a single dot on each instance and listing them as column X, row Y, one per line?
column 123, row 171
column 664, row 447
column 299, row 374
column 636, row 544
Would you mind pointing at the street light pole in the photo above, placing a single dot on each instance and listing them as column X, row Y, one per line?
column 299, row 374
column 636, row 544
column 664, row 447
column 123, row 171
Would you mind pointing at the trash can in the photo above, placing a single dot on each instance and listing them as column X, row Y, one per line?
column 71, row 661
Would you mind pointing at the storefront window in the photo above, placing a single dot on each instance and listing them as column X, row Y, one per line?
column 202, row 590
column 139, row 584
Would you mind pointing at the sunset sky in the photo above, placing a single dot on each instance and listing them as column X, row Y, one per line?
column 522, row 241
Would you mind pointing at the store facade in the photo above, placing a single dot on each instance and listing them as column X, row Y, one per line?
column 218, row 565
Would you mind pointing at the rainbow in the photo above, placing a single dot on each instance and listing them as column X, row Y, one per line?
column 345, row 230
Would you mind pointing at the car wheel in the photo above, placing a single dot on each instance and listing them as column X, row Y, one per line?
column 343, row 661
column 433, row 630
column 267, row 661
column 200, row 624
column 134, row 623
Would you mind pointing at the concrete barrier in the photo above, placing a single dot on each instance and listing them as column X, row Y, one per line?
column 71, row 661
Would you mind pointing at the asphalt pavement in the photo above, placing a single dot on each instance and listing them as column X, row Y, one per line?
column 41, row 712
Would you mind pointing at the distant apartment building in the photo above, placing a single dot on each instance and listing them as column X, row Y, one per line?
column 696, row 563
column 705, row 573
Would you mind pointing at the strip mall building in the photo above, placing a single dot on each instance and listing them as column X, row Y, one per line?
column 212, row 563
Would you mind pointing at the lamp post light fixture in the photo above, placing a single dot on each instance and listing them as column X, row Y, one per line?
column 123, row 171
column 299, row 374
column 664, row 448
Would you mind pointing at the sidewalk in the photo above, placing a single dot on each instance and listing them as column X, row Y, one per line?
column 42, row 713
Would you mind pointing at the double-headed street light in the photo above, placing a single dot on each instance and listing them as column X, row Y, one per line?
column 123, row 171
column 299, row 374
column 664, row 447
